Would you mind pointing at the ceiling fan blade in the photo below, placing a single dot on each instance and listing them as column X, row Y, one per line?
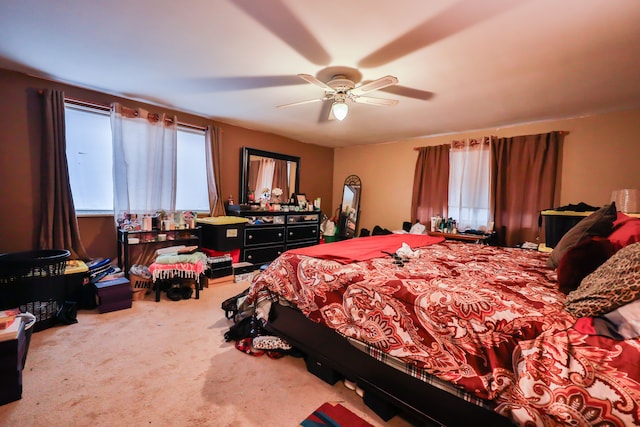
column 455, row 19
column 309, row 78
column 409, row 92
column 380, row 83
column 375, row 101
column 300, row 103
column 276, row 17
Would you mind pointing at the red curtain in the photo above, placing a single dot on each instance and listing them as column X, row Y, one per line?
column 525, row 173
column 430, row 184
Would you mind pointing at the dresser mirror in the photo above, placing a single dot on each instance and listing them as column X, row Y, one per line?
column 350, row 207
column 267, row 170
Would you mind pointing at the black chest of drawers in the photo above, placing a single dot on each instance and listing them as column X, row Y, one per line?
column 269, row 233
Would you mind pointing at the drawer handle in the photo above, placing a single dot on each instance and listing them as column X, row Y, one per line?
column 279, row 234
column 291, row 233
column 249, row 257
column 314, row 231
column 250, row 236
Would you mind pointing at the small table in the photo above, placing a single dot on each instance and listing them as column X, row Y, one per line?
column 178, row 270
column 471, row 238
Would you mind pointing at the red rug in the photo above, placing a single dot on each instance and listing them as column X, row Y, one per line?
column 334, row 415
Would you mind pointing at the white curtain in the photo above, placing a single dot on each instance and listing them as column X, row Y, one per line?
column 144, row 160
column 469, row 181
column 265, row 175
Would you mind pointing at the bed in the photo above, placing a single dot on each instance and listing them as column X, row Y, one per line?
column 451, row 333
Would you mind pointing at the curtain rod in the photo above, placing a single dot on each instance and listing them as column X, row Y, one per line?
column 106, row 107
column 562, row 132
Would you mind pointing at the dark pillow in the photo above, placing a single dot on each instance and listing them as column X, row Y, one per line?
column 613, row 284
column 598, row 223
column 581, row 260
column 626, row 230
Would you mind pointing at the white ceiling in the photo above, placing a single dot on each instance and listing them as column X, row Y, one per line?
column 461, row 65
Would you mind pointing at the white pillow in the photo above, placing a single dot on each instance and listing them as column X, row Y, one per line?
column 626, row 319
column 417, row 228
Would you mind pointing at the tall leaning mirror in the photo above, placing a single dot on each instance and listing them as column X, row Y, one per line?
column 265, row 169
column 350, row 207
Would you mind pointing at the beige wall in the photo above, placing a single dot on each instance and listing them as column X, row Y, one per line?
column 20, row 130
column 601, row 153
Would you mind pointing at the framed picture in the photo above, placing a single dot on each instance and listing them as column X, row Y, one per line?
column 301, row 198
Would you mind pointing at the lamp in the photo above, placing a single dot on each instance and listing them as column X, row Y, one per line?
column 340, row 107
column 340, row 110
column 627, row 200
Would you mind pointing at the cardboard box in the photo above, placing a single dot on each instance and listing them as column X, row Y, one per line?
column 220, row 280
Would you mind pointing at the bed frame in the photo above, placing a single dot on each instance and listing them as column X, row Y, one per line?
column 387, row 390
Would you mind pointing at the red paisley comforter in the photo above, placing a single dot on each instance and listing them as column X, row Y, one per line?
column 487, row 319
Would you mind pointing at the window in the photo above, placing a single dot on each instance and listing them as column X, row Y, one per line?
column 90, row 162
column 469, row 195
column 191, row 186
column 90, row 159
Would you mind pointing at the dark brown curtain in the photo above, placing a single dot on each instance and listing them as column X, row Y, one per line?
column 281, row 178
column 524, row 174
column 430, row 183
column 58, row 223
column 213, row 149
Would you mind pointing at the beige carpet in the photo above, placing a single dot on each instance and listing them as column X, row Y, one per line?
column 165, row 364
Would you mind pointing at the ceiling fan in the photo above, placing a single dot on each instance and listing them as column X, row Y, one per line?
column 341, row 89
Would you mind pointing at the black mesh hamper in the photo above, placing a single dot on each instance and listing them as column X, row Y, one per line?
column 33, row 281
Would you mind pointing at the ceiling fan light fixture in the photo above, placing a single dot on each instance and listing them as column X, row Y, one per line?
column 340, row 110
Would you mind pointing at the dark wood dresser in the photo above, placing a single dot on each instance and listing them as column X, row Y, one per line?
column 269, row 233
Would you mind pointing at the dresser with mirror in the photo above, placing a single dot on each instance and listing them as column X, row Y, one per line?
column 270, row 231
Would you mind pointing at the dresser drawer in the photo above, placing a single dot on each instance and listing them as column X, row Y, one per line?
column 263, row 235
column 303, row 218
column 302, row 232
column 262, row 254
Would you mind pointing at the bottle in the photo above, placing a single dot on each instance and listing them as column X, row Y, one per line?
column 230, row 200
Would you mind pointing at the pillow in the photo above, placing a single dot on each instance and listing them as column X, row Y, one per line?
column 598, row 223
column 626, row 230
column 613, row 284
column 620, row 324
column 582, row 260
column 626, row 319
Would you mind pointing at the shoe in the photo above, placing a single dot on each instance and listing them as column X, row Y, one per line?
column 186, row 292
column 245, row 345
column 174, row 293
column 267, row 342
column 275, row 354
column 350, row 384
